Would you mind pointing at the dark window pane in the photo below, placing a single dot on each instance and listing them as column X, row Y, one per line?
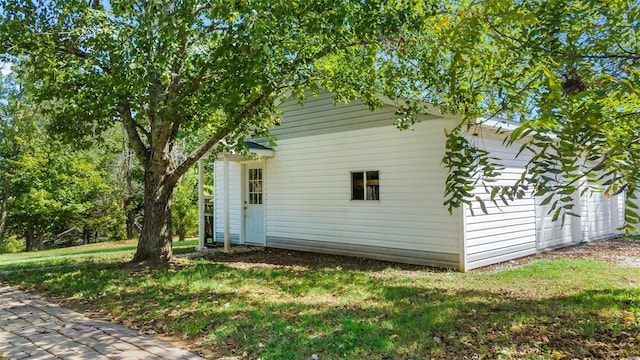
column 373, row 185
column 357, row 186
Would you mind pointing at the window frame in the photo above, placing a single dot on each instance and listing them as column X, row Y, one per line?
column 363, row 173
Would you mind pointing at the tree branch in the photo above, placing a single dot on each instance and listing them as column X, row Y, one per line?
column 603, row 56
column 249, row 110
column 141, row 151
column 214, row 140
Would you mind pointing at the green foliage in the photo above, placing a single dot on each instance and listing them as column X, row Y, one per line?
column 165, row 69
column 468, row 167
column 53, row 186
column 185, row 205
column 12, row 245
column 568, row 72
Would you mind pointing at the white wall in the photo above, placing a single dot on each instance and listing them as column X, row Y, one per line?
column 506, row 232
column 551, row 234
column 600, row 215
column 309, row 193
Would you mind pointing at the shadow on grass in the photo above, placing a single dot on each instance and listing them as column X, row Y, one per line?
column 283, row 313
column 303, row 260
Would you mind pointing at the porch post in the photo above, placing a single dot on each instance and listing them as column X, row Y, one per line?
column 201, row 222
column 227, row 194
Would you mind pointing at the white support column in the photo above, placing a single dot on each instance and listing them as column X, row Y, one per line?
column 214, row 225
column 201, row 219
column 227, row 204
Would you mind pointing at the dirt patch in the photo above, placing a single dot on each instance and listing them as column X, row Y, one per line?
column 615, row 251
column 260, row 257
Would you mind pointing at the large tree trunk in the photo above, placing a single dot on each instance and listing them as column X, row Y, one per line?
column 155, row 244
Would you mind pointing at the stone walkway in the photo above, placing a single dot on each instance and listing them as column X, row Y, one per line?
column 35, row 329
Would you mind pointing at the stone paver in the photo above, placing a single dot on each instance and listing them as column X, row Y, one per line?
column 33, row 329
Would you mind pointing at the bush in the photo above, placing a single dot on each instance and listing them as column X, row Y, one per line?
column 12, row 245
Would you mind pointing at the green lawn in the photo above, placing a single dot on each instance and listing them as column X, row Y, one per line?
column 261, row 306
column 111, row 251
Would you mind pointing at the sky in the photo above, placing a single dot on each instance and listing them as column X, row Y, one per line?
column 5, row 68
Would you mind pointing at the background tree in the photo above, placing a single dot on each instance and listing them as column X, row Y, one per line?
column 9, row 108
column 160, row 67
column 55, row 188
column 49, row 186
column 185, row 205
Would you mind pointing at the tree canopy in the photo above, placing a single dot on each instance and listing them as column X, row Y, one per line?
column 163, row 68
column 49, row 186
column 566, row 70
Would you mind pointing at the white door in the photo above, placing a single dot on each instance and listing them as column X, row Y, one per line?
column 253, row 205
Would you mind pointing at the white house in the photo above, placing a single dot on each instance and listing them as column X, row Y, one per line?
column 344, row 180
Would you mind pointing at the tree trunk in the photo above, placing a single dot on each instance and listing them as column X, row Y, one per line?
column 131, row 224
column 40, row 241
column 155, row 244
column 3, row 207
column 129, row 197
column 30, row 238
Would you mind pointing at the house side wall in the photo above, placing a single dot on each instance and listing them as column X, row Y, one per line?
column 621, row 199
column 235, row 198
column 505, row 232
column 551, row 234
column 600, row 216
column 318, row 115
column 309, row 194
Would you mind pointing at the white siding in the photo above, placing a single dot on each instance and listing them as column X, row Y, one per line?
column 309, row 202
column 319, row 115
column 600, row 216
column 506, row 232
column 620, row 203
column 552, row 234
column 234, row 197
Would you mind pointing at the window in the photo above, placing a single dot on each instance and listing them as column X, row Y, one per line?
column 255, row 186
column 365, row 185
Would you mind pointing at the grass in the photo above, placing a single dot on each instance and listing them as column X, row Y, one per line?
column 112, row 251
column 263, row 306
